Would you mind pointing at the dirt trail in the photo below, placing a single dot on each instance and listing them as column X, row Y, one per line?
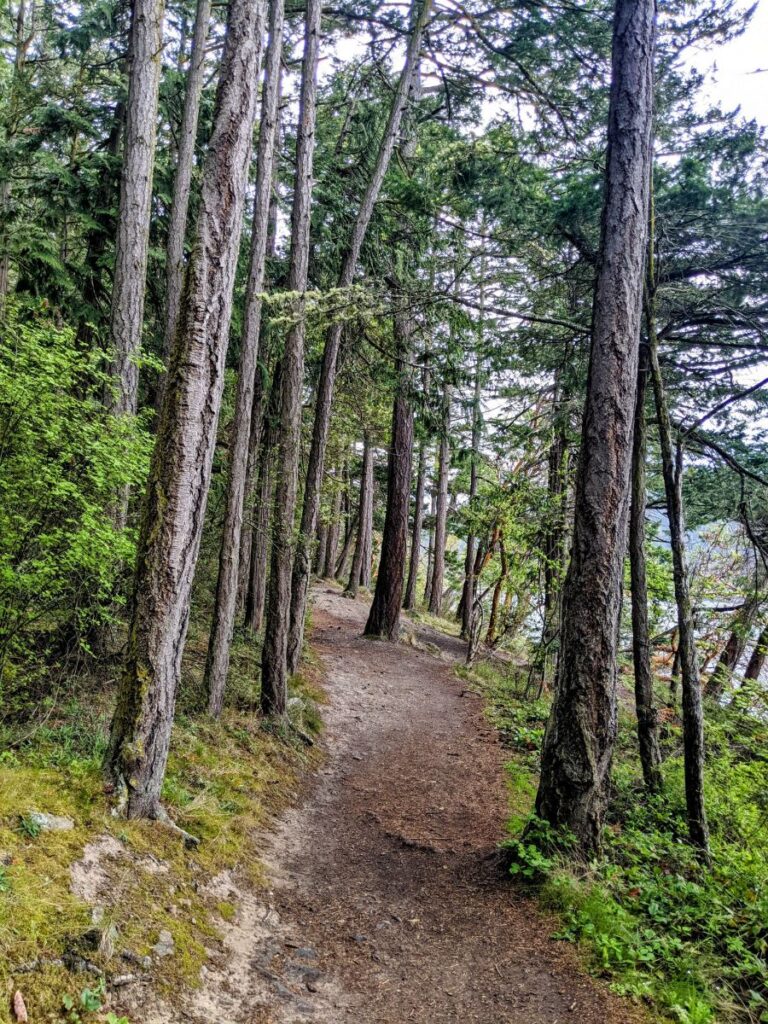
column 385, row 907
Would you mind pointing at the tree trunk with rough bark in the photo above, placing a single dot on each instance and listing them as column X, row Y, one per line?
column 409, row 601
column 384, row 616
column 182, row 182
column 693, row 712
column 327, row 382
column 334, row 530
column 732, row 653
column 581, row 731
column 493, row 618
column 647, row 718
column 441, row 510
column 132, row 239
column 274, row 663
column 364, row 515
column 468, row 591
column 225, row 602
column 180, row 473
column 759, row 654
column 256, row 586
column 430, row 547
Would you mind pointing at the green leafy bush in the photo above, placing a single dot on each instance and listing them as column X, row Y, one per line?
column 63, row 462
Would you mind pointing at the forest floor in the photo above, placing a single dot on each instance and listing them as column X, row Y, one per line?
column 384, row 903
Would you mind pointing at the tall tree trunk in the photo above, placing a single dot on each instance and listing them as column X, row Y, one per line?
column 364, row 516
column 409, row 601
column 322, row 547
column 554, row 542
column 256, row 586
column 384, row 616
column 180, row 473
column 731, row 655
column 430, row 547
column 225, row 603
column 327, row 382
column 693, row 714
column 580, row 735
column 468, row 591
column 269, row 370
column 758, row 656
column 334, row 529
column 647, row 719
column 274, row 664
column 441, row 513
column 132, row 240
column 503, row 575
column 182, row 182
column 366, row 566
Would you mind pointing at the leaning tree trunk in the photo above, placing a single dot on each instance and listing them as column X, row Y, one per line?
column 132, row 239
column 758, row 656
column 274, row 665
column 182, row 183
column 734, row 648
column 441, row 513
column 647, row 719
column 581, row 731
column 384, row 616
column 693, row 713
column 493, row 618
column 327, row 382
column 225, row 602
column 364, row 516
column 180, row 473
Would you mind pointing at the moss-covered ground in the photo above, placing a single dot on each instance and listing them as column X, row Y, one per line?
column 225, row 779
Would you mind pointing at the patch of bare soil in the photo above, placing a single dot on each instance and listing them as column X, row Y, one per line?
column 385, row 904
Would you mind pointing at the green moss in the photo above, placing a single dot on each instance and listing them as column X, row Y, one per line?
column 225, row 779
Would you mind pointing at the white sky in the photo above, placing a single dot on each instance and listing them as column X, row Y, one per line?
column 733, row 79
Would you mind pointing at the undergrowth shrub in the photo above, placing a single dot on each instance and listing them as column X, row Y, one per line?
column 691, row 940
column 63, row 462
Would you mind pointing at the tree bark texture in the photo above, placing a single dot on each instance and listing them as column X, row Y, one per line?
column 180, row 472
column 274, row 664
column 182, row 182
column 334, row 530
column 430, row 547
column 132, row 240
column 647, row 718
column 759, row 654
column 441, row 509
column 693, row 712
column 581, row 731
column 225, row 602
column 365, row 511
column 409, row 601
column 256, row 586
column 384, row 616
column 468, row 591
column 327, row 382
column 737, row 642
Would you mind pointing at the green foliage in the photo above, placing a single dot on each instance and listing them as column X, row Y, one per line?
column 662, row 926
column 63, row 462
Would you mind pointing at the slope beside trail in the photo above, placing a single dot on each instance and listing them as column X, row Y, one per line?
column 384, row 905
